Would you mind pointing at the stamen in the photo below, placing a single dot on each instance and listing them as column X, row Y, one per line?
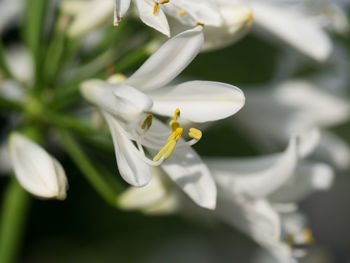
column 199, row 24
column 163, row 1
column 174, row 125
column 309, row 239
column 147, row 122
column 195, row 134
column 176, row 114
column 168, row 149
column 155, row 8
column 182, row 13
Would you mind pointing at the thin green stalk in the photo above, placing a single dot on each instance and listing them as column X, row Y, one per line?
column 3, row 65
column 102, row 186
column 13, row 216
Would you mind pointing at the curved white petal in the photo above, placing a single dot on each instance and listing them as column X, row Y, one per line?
column 131, row 167
column 237, row 22
column 255, row 177
column 139, row 198
column 309, row 177
column 206, row 12
column 191, row 174
column 303, row 33
column 122, row 101
column 122, row 7
column 333, row 150
column 168, row 61
column 255, row 218
column 199, row 101
column 93, row 14
column 37, row 172
column 158, row 197
column 158, row 20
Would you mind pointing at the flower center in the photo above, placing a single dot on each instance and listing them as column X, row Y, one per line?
column 172, row 141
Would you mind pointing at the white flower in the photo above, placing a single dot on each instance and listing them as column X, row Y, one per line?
column 125, row 106
column 89, row 14
column 296, row 106
column 297, row 23
column 153, row 12
column 237, row 21
column 37, row 171
column 254, row 195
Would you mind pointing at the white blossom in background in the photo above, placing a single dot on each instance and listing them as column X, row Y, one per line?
column 37, row 171
column 295, row 106
column 89, row 14
column 300, row 24
column 10, row 11
column 255, row 195
column 126, row 106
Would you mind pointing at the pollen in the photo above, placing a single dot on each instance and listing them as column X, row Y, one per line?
column 182, row 13
column 176, row 114
column 147, row 122
column 195, row 134
column 155, row 8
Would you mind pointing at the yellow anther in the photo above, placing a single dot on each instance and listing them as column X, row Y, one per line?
column 199, row 24
column 195, row 134
column 176, row 114
column 309, row 239
column 174, row 125
column 155, row 8
column 147, row 122
column 163, row 2
column 182, row 13
column 169, row 147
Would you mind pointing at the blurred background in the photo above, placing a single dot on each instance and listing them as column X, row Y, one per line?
column 84, row 228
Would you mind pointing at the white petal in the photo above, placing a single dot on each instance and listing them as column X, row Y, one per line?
column 206, row 12
column 255, row 218
column 158, row 20
column 20, row 62
column 139, row 198
column 37, row 172
column 131, row 167
column 333, row 150
column 308, row 178
column 158, row 197
column 122, row 7
column 168, row 61
column 255, row 177
column 122, row 101
column 303, row 33
column 92, row 15
column 237, row 22
column 199, row 101
column 189, row 172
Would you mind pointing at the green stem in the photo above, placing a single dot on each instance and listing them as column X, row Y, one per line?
column 13, row 216
column 102, row 186
column 3, row 65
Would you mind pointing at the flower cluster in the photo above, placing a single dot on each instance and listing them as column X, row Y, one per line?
column 70, row 86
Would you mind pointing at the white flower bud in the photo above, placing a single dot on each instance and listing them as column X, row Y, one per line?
column 37, row 171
